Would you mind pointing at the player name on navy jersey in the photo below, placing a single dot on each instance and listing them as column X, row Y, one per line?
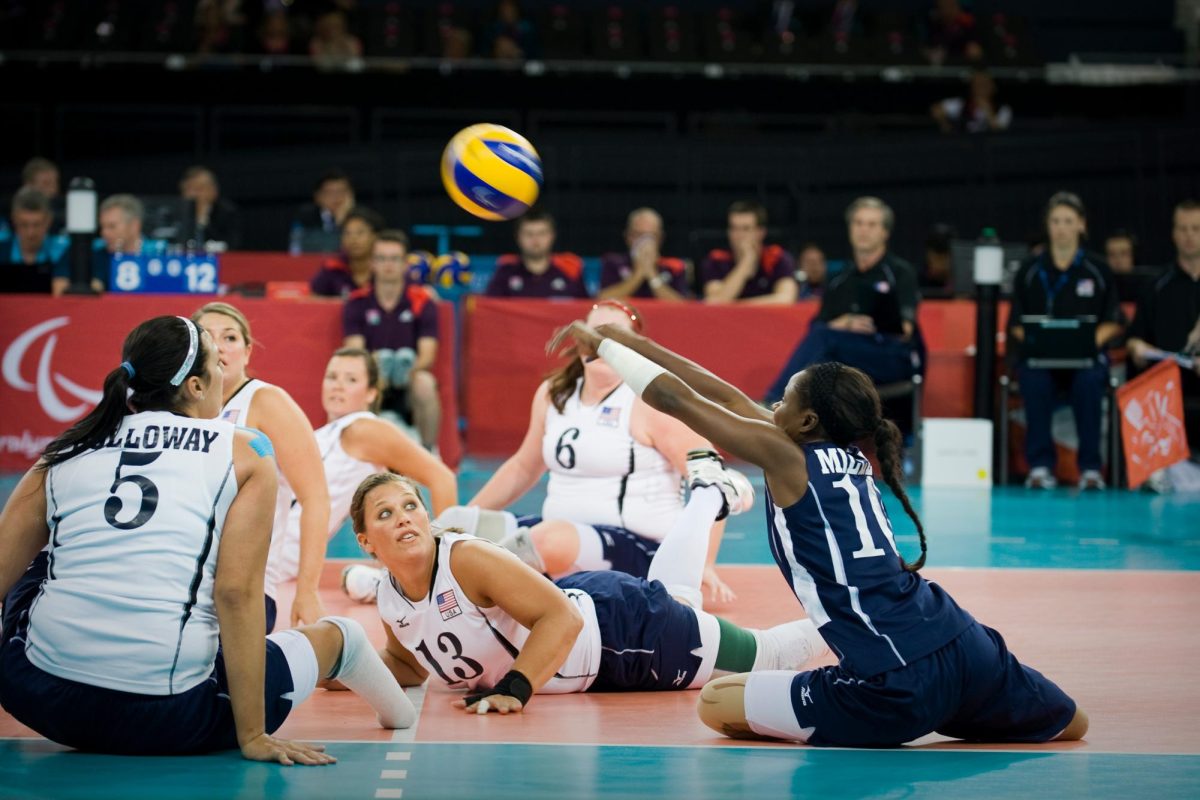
column 163, row 437
column 836, row 461
column 836, row 548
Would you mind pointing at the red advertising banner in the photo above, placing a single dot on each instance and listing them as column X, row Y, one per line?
column 54, row 354
column 1152, row 430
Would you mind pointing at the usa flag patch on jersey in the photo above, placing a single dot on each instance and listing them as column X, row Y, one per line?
column 448, row 604
column 610, row 416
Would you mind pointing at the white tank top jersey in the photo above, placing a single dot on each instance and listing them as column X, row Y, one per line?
column 600, row 475
column 343, row 473
column 464, row 646
column 135, row 526
column 236, row 410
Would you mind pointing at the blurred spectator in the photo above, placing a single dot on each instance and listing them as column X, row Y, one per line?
column 319, row 224
column 121, row 218
column 350, row 269
column 869, row 311
column 275, row 34
column 398, row 324
column 42, row 175
column 511, row 36
column 1065, row 282
column 1119, row 252
column 950, row 34
column 31, row 240
column 811, row 271
column 208, row 217
column 219, row 26
column 1168, row 316
column 333, row 47
column 456, row 42
column 641, row 270
column 937, row 277
column 537, row 271
column 976, row 112
column 749, row 271
column 845, row 22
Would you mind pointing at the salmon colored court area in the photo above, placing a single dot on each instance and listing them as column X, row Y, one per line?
column 1117, row 641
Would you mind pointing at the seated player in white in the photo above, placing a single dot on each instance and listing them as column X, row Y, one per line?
column 153, row 521
column 472, row 617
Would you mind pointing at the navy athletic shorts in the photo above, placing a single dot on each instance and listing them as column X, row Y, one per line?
column 646, row 636
column 103, row 720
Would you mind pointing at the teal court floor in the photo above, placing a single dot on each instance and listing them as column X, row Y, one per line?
column 1099, row 591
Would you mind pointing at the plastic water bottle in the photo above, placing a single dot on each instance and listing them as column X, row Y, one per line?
column 296, row 239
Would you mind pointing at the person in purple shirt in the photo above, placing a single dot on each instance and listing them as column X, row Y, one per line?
column 749, row 271
column 398, row 324
column 537, row 271
column 350, row 269
column 642, row 270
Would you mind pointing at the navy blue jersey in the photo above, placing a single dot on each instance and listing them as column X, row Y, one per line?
column 837, row 551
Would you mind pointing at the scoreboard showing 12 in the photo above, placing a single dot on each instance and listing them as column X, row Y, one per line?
column 164, row 274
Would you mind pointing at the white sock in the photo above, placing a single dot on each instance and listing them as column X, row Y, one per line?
column 495, row 526
column 364, row 673
column 679, row 562
column 788, row 646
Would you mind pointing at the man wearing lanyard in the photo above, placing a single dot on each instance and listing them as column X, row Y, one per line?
column 1064, row 282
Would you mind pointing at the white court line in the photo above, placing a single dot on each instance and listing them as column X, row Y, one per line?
column 399, row 756
column 388, row 794
column 1102, row 542
column 1007, row 540
column 393, row 774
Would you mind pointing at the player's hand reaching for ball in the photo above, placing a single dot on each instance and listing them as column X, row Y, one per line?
column 285, row 751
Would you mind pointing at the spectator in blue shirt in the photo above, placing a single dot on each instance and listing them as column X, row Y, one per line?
column 120, row 232
column 31, row 242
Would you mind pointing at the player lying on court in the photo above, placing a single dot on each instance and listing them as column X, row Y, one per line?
column 476, row 618
column 153, row 521
column 615, row 469
column 911, row 660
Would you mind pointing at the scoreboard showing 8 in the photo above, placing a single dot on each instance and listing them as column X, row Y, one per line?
column 164, row 274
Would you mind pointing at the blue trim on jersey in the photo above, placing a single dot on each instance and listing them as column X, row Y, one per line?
column 260, row 443
column 198, row 576
column 836, row 549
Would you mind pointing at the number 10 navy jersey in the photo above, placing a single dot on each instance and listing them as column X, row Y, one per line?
column 837, row 551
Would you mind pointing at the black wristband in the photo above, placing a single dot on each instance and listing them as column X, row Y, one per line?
column 513, row 684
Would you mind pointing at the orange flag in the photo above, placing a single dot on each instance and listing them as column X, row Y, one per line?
column 1152, row 431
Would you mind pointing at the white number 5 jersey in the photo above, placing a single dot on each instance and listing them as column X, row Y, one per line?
column 134, row 530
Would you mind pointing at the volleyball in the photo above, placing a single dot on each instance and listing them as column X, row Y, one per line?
column 452, row 270
column 491, row 172
column 420, row 266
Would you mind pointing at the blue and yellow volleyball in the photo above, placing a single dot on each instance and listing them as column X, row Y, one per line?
column 492, row 172
column 420, row 266
column 452, row 270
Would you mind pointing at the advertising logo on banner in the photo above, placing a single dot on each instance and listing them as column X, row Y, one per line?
column 1152, row 430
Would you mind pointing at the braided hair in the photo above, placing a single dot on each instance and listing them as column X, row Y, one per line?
column 848, row 407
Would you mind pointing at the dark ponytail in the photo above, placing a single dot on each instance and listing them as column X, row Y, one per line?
column 848, row 407
column 153, row 354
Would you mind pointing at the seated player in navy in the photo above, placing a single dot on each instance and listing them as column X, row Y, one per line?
column 398, row 324
column 750, row 271
column 642, row 270
column 472, row 617
column 911, row 661
column 537, row 271
column 139, row 627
